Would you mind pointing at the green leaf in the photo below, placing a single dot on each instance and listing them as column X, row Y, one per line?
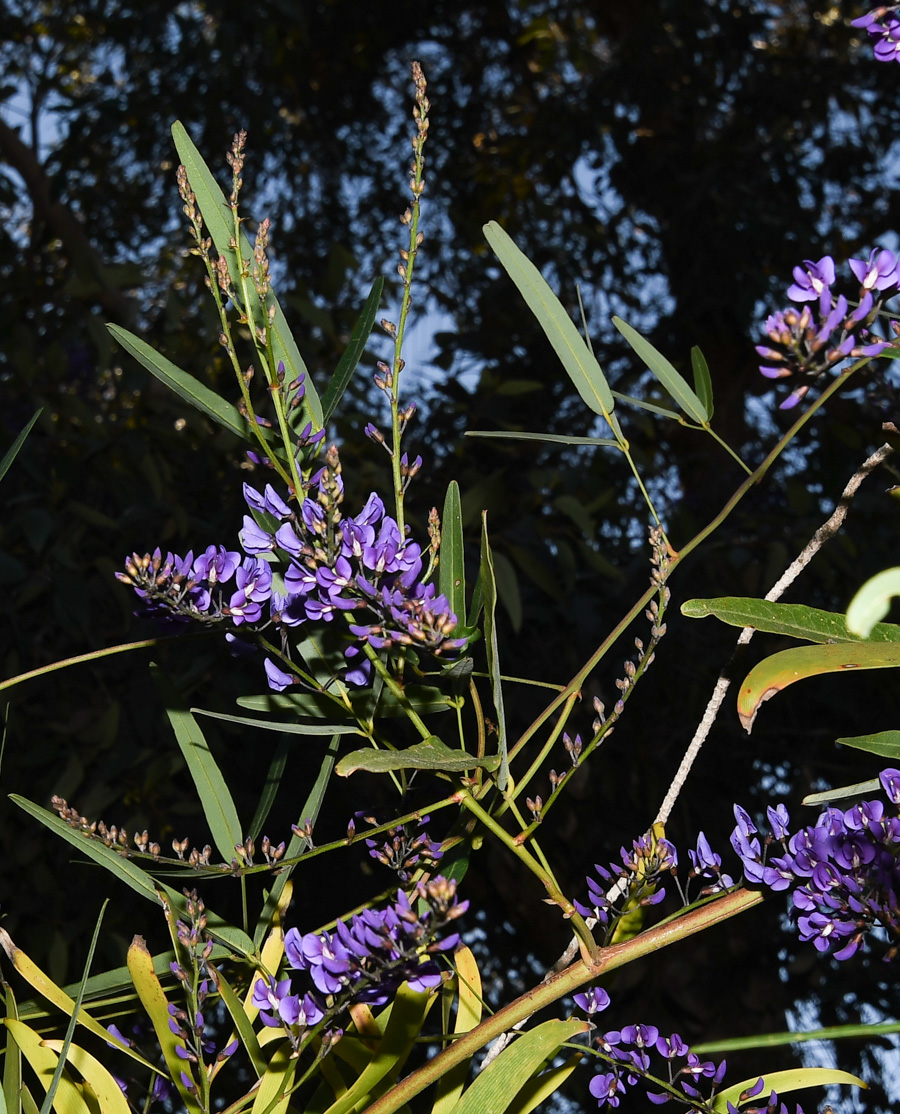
column 702, row 381
column 662, row 411
column 13, row 451
column 452, row 569
column 569, row 345
column 792, row 619
column 489, row 588
column 872, row 602
column 883, row 743
column 219, row 221
column 343, row 373
column 431, row 754
column 682, row 394
column 270, row 788
column 310, row 811
column 499, row 1084
column 780, row 670
column 841, row 793
column 218, row 806
column 793, row 1079
column 309, row 727
column 549, row 438
column 183, row 384
column 242, row 1024
column 540, row 1087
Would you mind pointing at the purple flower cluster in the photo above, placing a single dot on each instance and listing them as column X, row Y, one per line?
column 843, row 871
column 822, row 331
column 628, row 1051
column 883, row 26
column 359, row 567
column 639, row 880
column 365, row 959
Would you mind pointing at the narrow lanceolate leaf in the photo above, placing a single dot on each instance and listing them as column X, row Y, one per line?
column 43, row 1061
column 218, row 806
column 702, row 381
column 182, row 383
column 886, row 744
column 569, row 345
column 780, row 670
column 500, row 1082
column 452, row 569
column 841, row 793
column 13, row 451
column 272, row 1097
column 671, row 380
column 362, row 330
column 242, row 1024
column 109, row 1094
column 792, row 619
column 783, row 1082
column 549, row 438
column 489, row 589
column 872, row 602
column 219, row 222
column 153, row 999
column 431, row 754
column 310, row 727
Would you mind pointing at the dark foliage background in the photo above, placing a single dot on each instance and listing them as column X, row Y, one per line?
column 673, row 157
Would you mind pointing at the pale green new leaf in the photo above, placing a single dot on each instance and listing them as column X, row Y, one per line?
column 218, row 218
column 795, row 620
column 452, row 569
column 218, row 806
column 664, row 372
column 793, row 1079
column 842, row 793
column 569, row 345
column 872, row 602
column 183, row 384
column 499, row 1084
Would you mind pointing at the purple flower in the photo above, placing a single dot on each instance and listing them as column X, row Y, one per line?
column 593, row 1001
column 878, row 272
column 278, row 679
column 810, row 283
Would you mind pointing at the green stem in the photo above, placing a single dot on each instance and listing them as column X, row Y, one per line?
column 558, row 986
column 549, row 883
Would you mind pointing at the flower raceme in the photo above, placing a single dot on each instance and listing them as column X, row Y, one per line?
column 361, row 567
column 882, row 25
column 843, row 871
column 822, row 331
column 365, row 959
